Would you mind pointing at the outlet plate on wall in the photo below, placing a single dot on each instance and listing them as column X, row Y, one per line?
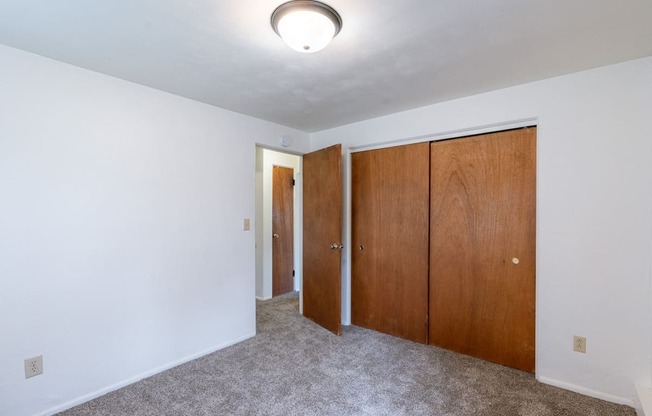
column 33, row 366
column 579, row 344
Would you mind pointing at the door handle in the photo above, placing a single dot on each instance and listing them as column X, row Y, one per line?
column 337, row 246
column 274, row 236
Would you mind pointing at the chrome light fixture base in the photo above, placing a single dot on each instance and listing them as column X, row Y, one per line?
column 304, row 24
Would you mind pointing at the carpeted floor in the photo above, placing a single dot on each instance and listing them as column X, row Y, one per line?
column 293, row 367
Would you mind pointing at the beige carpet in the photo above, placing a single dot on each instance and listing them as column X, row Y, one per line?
column 293, row 367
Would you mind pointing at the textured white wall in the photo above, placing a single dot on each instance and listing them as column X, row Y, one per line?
column 121, row 243
column 594, row 212
column 270, row 159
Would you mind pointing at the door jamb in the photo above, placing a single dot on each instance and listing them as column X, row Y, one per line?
column 298, row 219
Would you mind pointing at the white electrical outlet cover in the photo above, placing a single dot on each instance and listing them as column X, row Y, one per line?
column 33, row 366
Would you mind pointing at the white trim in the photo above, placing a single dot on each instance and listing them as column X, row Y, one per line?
column 280, row 149
column 262, row 298
column 346, row 317
column 537, row 249
column 644, row 403
column 587, row 392
column 489, row 128
column 146, row 374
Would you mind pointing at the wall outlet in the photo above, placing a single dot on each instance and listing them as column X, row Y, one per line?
column 579, row 344
column 246, row 224
column 33, row 366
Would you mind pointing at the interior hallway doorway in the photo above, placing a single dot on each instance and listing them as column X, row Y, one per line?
column 278, row 223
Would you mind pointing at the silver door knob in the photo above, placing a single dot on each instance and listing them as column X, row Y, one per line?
column 336, row 246
column 274, row 235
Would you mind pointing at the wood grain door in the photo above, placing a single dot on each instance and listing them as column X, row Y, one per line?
column 482, row 246
column 322, row 237
column 282, row 230
column 389, row 257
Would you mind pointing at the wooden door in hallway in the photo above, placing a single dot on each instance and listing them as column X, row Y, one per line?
column 322, row 237
column 282, row 230
column 389, row 257
column 482, row 246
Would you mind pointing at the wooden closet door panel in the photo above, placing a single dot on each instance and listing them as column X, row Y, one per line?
column 389, row 283
column 282, row 230
column 482, row 246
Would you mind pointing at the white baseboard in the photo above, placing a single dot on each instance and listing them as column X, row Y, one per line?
column 587, row 392
column 644, row 404
column 116, row 386
column 263, row 298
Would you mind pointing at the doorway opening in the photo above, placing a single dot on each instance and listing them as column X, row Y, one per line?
column 278, row 223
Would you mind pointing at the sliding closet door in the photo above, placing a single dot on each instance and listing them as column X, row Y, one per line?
column 389, row 276
column 482, row 246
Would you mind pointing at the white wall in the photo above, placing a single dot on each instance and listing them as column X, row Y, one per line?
column 122, row 250
column 594, row 213
column 121, row 213
column 266, row 160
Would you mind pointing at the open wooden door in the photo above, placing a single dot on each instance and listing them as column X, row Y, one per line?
column 322, row 236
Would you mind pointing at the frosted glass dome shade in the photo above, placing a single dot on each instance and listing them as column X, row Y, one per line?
column 306, row 26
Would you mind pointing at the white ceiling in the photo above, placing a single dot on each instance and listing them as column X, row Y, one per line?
column 391, row 55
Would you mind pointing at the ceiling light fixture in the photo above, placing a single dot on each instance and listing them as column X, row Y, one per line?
column 306, row 26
